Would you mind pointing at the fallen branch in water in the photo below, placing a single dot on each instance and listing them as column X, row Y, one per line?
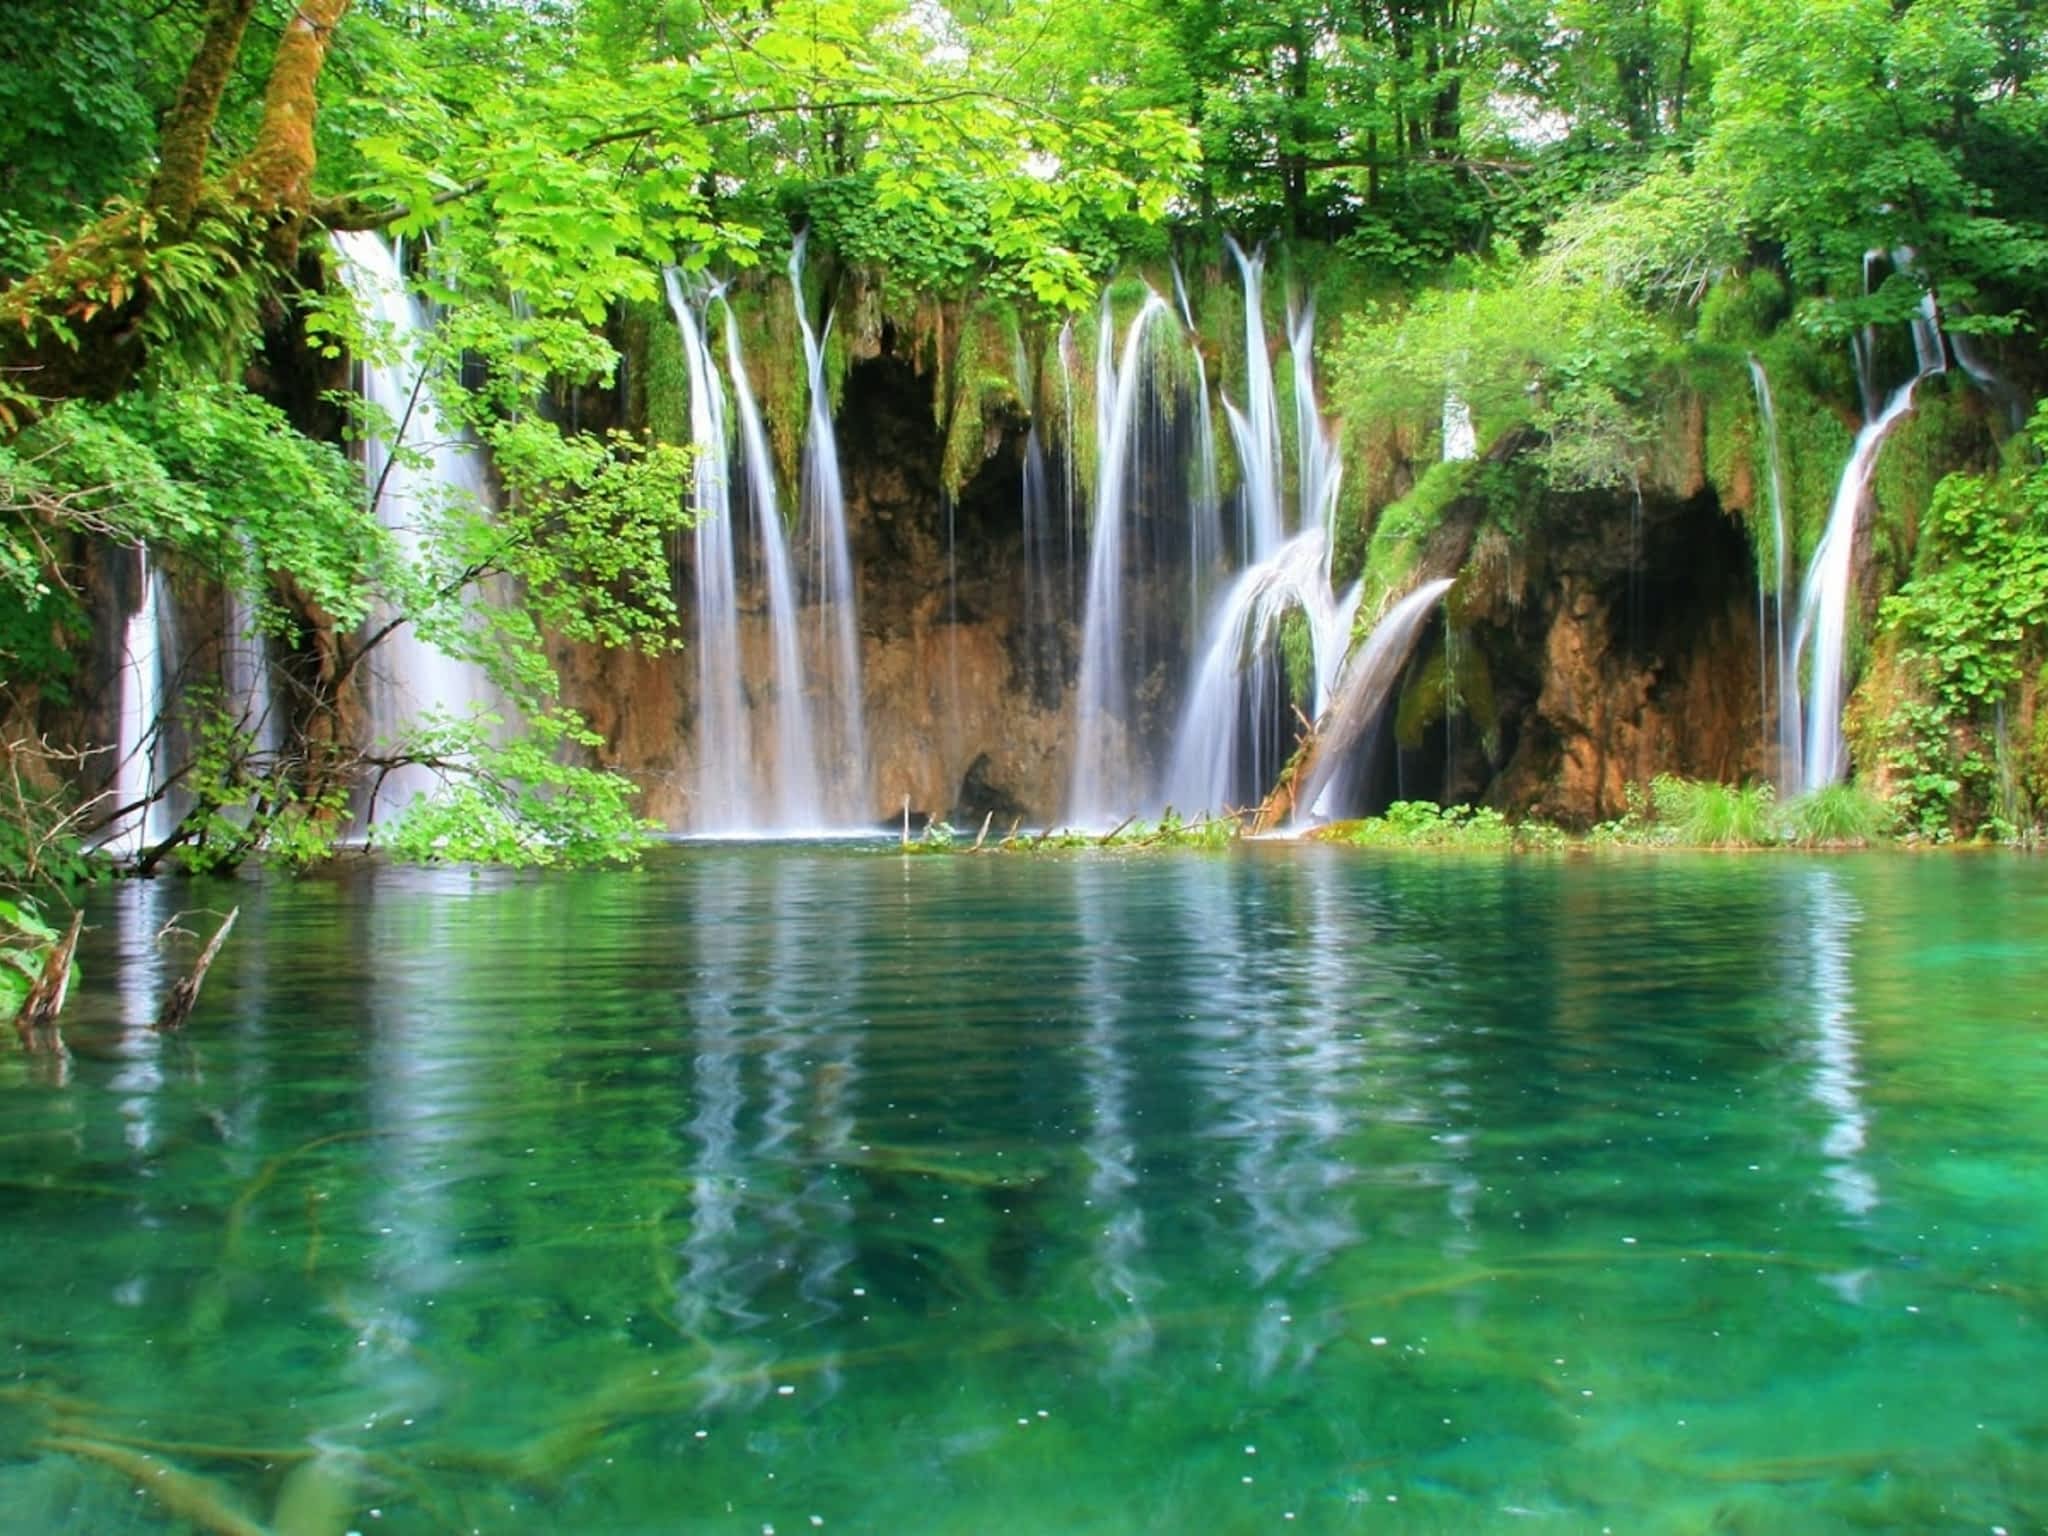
column 1116, row 831
column 36, row 1023
column 178, row 1006
column 184, row 1494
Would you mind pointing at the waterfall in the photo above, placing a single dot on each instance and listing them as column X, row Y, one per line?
column 799, row 802
column 824, row 510
column 1824, row 598
column 1362, row 691
column 1256, row 429
column 142, row 702
column 251, row 694
column 1320, row 469
column 1205, row 502
column 723, row 750
column 1226, row 753
column 1461, row 438
column 1102, row 758
column 1774, row 667
column 431, row 468
column 1071, row 491
column 1041, row 639
column 1232, row 730
column 1978, row 370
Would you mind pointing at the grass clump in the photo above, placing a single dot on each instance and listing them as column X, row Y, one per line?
column 1835, row 816
column 1423, row 824
column 1699, row 813
column 1672, row 812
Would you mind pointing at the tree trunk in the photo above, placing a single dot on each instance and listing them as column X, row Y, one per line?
column 276, row 176
column 188, row 131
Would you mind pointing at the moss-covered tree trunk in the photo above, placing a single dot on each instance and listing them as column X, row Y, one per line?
column 80, row 325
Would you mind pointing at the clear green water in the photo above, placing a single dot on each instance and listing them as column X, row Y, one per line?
column 1290, row 1189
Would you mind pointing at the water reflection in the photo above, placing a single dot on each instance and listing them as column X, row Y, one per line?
column 1113, row 1201
column 1837, row 1086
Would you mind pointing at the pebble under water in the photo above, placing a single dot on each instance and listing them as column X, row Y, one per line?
column 1282, row 1189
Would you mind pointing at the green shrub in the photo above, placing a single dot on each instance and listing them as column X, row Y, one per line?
column 1422, row 824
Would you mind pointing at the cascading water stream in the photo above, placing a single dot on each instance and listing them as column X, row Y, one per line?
column 1461, row 437
column 142, row 702
column 1256, row 429
column 433, row 468
column 1041, row 639
column 799, row 802
column 824, row 511
column 1362, row 691
column 251, row 694
column 1223, row 754
column 723, row 749
column 1320, row 471
column 1205, row 500
column 1824, row 598
column 1230, row 740
column 1779, row 702
column 1101, row 773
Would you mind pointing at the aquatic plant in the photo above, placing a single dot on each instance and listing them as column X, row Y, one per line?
column 1424, row 824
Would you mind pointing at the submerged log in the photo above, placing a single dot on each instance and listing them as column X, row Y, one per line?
column 178, row 1006
column 39, row 1010
column 183, row 1494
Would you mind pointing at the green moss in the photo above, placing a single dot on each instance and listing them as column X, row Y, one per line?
column 1744, row 308
column 664, row 378
column 1403, row 528
column 976, row 386
column 1298, row 657
column 1455, row 679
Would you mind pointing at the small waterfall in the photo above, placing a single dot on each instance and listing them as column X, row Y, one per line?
column 1227, row 751
column 1256, row 429
column 250, row 688
column 799, row 802
column 824, row 509
column 1362, row 692
column 1824, row 598
column 432, row 468
column 1102, row 767
column 1928, row 352
column 1205, row 501
column 723, row 749
column 1320, row 468
column 1778, row 702
column 1978, row 370
column 1070, row 489
column 1461, row 438
column 142, row 704
column 1041, row 637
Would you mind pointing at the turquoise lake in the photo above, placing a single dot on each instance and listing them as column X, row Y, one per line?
column 1283, row 1189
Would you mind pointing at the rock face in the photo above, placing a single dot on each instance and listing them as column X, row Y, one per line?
column 1602, row 651
column 1607, row 645
column 946, row 669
